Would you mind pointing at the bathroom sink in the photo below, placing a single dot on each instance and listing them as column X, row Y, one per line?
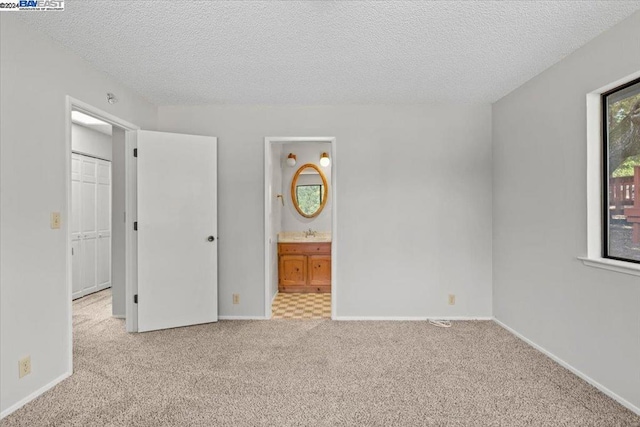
column 300, row 237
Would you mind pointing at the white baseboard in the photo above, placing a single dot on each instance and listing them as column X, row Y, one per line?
column 118, row 316
column 33, row 395
column 580, row 374
column 410, row 318
column 103, row 287
column 242, row 318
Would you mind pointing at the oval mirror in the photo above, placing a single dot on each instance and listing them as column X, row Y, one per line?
column 309, row 190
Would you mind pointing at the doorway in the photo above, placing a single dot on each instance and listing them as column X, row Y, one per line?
column 98, row 241
column 91, row 210
column 300, row 227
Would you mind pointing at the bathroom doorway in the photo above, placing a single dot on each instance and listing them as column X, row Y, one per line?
column 300, row 228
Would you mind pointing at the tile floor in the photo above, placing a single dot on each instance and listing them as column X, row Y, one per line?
column 301, row 306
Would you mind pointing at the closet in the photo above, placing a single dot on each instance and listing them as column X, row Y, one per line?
column 90, row 224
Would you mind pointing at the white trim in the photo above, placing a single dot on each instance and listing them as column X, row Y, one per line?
column 118, row 316
column 411, row 318
column 69, row 103
column 594, row 182
column 267, row 226
column 594, row 176
column 11, row 409
column 274, row 297
column 577, row 372
column 102, row 115
column 242, row 318
column 334, row 230
column 612, row 265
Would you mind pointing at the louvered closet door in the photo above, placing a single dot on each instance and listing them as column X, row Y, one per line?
column 76, row 253
column 88, row 225
column 103, row 217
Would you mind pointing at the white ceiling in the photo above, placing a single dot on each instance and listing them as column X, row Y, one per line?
column 326, row 52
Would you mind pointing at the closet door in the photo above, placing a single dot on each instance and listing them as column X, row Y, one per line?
column 76, row 253
column 88, row 226
column 103, row 215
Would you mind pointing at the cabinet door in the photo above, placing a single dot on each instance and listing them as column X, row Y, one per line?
column 319, row 269
column 103, row 220
column 293, row 270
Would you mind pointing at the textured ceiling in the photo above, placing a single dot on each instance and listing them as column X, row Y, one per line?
column 326, row 52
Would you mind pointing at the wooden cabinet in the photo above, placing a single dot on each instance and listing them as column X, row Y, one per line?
column 293, row 270
column 304, row 267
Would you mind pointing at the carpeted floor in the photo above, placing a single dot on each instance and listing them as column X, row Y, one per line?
column 312, row 373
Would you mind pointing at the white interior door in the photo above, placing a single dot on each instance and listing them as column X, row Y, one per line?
column 177, row 230
column 88, row 226
column 103, row 221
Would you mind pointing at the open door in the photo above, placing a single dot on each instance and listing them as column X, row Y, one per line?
column 177, row 230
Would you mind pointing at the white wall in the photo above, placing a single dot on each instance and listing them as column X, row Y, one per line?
column 307, row 152
column 35, row 75
column 414, row 202
column 590, row 318
column 90, row 142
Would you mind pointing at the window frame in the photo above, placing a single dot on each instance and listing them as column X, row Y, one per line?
column 604, row 170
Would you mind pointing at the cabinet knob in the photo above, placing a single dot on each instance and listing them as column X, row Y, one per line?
column 211, row 238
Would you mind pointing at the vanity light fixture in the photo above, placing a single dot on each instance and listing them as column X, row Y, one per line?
column 324, row 160
column 291, row 159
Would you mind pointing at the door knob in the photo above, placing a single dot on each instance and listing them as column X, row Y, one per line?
column 211, row 238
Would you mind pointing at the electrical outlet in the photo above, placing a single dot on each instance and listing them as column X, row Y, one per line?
column 452, row 299
column 236, row 298
column 55, row 220
column 24, row 366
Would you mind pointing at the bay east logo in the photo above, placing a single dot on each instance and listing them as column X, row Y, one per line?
column 41, row 4
column 37, row 5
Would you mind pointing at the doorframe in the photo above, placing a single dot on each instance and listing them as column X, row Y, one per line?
column 269, row 143
column 130, row 204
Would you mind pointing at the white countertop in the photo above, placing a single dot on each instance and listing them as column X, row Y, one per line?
column 299, row 237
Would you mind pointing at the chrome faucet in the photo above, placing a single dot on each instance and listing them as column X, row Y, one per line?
column 309, row 232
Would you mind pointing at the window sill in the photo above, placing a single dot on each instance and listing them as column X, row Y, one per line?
column 612, row 265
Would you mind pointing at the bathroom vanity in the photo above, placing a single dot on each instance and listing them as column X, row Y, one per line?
column 304, row 263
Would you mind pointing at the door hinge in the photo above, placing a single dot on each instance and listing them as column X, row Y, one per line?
column 135, row 299
column 135, row 152
column 71, row 251
column 135, row 226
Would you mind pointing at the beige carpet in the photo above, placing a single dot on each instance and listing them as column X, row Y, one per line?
column 312, row 373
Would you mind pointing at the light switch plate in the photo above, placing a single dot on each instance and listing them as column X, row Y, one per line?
column 55, row 220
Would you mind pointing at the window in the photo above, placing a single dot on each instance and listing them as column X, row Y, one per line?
column 309, row 198
column 621, row 172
